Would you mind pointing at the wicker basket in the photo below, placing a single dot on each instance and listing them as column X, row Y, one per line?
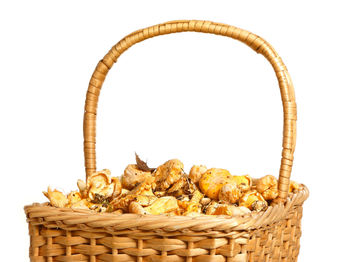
column 63, row 234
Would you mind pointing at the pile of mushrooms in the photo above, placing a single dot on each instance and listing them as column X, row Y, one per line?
column 169, row 190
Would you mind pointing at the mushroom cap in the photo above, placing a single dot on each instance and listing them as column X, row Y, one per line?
column 244, row 182
column 57, row 198
column 267, row 187
column 230, row 193
column 168, row 174
column 196, row 173
column 133, row 176
column 74, row 197
column 251, row 197
column 213, row 180
column 163, row 205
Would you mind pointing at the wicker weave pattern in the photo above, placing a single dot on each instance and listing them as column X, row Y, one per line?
column 279, row 242
column 255, row 42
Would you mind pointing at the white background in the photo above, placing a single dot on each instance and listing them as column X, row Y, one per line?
column 204, row 99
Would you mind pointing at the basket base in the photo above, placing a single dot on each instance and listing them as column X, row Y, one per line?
column 278, row 242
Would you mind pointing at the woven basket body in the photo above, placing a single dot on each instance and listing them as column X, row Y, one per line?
column 63, row 234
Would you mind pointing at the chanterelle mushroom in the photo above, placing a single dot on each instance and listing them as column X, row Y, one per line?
column 142, row 194
column 230, row 193
column 162, row 205
column 254, row 201
column 244, row 182
column 213, row 180
column 196, row 173
column 168, row 173
column 133, row 176
column 183, row 186
column 136, row 208
column 57, row 198
column 194, row 205
column 74, row 197
column 82, row 204
column 82, row 188
column 267, row 187
column 102, row 184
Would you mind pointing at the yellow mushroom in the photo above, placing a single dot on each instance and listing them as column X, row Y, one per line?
column 113, row 189
column 74, row 197
column 177, row 186
column 82, row 204
column 196, row 173
column 101, row 208
column 230, row 193
column 210, row 209
column 133, row 176
column 162, row 205
column 102, row 184
column 122, row 202
column 267, row 187
column 145, row 200
column 244, row 182
column 124, row 192
column 183, row 186
column 142, row 194
column 57, row 198
column 205, row 201
column 144, row 188
column 194, row 205
column 253, row 200
column 136, row 208
column 160, row 193
column 213, row 180
column 168, row 173
column 82, row 188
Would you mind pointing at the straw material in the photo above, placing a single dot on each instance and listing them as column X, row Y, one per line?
column 64, row 234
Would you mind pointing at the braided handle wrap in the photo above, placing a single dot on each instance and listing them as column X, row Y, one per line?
column 255, row 42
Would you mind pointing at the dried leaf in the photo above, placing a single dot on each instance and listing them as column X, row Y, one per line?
column 142, row 165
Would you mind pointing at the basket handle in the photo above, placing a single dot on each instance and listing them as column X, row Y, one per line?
column 255, row 42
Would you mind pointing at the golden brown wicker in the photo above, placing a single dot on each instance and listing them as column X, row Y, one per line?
column 63, row 234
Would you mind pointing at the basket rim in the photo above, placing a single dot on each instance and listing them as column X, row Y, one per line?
column 88, row 220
